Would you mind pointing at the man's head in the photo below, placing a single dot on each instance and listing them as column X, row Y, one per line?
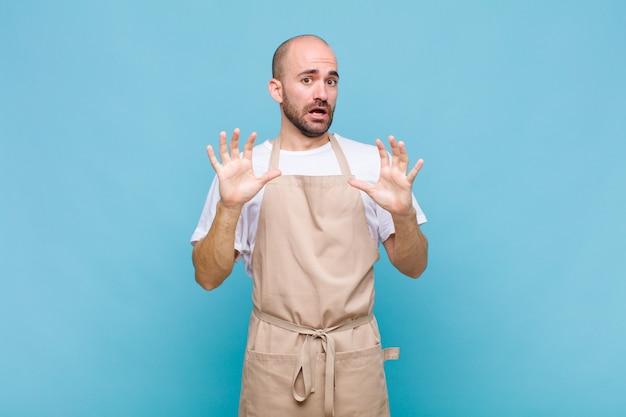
column 304, row 83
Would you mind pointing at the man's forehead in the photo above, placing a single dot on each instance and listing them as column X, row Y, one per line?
column 311, row 54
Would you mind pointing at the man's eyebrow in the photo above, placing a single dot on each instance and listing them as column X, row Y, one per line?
column 315, row 72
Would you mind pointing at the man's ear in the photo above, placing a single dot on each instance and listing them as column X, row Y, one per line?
column 276, row 90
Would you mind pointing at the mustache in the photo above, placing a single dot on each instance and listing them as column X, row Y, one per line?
column 318, row 104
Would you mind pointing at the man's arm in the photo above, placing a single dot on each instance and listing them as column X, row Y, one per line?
column 407, row 247
column 214, row 256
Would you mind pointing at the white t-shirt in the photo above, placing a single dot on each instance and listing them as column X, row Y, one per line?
column 364, row 162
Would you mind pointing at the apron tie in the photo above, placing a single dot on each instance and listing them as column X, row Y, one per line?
column 308, row 354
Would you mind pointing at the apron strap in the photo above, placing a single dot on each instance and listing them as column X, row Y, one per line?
column 391, row 354
column 308, row 354
column 341, row 157
column 275, row 154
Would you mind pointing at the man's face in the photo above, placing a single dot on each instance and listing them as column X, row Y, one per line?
column 310, row 86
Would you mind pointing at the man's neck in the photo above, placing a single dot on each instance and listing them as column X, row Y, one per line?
column 295, row 141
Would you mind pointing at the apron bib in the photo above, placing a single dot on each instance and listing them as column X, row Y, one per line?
column 313, row 344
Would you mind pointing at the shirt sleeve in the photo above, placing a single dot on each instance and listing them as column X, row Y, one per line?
column 208, row 213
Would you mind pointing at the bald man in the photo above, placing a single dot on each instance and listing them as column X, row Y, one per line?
column 306, row 212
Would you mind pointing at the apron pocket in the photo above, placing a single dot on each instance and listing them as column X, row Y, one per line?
column 360, row 385
column 266, row 388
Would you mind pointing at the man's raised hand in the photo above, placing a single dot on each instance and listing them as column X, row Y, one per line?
column 238, row 183
column 393, row 189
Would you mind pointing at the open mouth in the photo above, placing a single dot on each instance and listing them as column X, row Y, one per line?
column 318, row 111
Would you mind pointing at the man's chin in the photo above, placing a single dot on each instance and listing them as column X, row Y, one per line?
column 313, row 134
column 316, row 130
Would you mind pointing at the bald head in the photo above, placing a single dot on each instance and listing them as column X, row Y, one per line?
column 278, row 61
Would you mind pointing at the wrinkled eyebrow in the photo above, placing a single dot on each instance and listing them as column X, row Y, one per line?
column 316, row 72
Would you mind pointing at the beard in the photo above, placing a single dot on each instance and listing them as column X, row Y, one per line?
column 299, row 119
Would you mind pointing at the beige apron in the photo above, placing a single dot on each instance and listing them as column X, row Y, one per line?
column 313, row 343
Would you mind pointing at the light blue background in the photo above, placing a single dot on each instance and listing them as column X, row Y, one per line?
column 517, row 107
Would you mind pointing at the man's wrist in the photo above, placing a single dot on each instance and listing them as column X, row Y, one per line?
column 232, row 210
column 409, row 216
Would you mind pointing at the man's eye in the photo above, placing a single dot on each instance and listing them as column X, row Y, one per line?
column 306, row 80
column 331, row 82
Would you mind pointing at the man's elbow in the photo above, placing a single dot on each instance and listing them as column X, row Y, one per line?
column 204, row 272
column 417, row 271
column 205, row 283
column 210, row 278
column 416, row 267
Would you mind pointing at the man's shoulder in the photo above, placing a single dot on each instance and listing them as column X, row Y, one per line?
column 261, row 156
column 358, row 152
column 262, row 151
column 363, row 158
column 354, row 145
column 262, row 148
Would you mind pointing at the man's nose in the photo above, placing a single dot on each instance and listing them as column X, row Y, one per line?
column 320, row 92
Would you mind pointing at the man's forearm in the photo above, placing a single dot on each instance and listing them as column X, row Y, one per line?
column 410, row 246
column 214, row 256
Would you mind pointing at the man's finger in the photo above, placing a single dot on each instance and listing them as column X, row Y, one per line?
column 416, row 169
column 382, row 152
column 270, row 175
column 393, row 147
column 249, row 145
column 223, row 148
column 402, row 159
column 360, row 185
column 214, row 162
column 234, row 145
